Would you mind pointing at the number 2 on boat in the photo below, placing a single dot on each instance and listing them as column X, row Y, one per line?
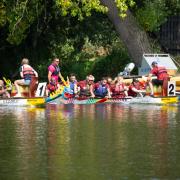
column 171, row 88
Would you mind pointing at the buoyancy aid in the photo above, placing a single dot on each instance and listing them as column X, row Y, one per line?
column 56, row 71
column 101, row 90
column 131, row 92
column 160, row 72
column 72, row 84
column 28, row 72
column 118, row 90
column 52, row 86
column 84, row 88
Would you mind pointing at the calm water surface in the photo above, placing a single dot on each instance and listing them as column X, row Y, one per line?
column 90, row 142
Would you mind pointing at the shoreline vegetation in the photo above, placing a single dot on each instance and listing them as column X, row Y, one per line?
column 88, row 42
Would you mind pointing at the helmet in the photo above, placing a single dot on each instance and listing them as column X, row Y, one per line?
column 153, row 63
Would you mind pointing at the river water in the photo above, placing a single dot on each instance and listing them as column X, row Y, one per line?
column 90, row 142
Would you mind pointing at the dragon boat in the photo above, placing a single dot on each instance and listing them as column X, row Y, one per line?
column 65, row 97
column 126, row 100
column 34, row 95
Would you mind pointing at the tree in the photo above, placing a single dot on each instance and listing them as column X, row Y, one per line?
column 131, row 34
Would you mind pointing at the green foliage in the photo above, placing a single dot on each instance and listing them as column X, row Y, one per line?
column 152, row 14
column 173, row 6
column 19, row 16
column 2, row 14
column 79, row 8
column 123, row 6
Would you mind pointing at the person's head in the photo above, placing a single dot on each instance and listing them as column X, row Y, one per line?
column 56, row 61
column 109, row 80
column 90, row 79
column 24, row 61
column 135, row 81
column 119, row 78
column 104, row 81
column 154, row 64
column 72, row 77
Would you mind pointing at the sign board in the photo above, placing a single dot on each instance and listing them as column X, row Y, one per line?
column 171, row 88
column 41, row 89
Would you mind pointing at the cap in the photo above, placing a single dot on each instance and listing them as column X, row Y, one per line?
column 154, row 62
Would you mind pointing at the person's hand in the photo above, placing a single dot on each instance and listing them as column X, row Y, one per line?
column 92, row 96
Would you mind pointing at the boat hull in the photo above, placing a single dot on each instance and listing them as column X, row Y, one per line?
column 126, row 100
column 36, row 101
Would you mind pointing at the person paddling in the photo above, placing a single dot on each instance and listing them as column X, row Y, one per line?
column 26, row 73
column 136, row 89
column 102, row 89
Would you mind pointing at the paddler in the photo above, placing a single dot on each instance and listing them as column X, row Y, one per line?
column 136, row 89
column 85, row 87
column 101, row 89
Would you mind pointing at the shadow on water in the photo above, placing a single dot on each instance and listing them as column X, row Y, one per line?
column 90, row 142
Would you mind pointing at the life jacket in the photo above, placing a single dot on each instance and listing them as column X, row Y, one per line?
column 101, row 90
column 118, row 91
column 28, row 72
column 84, row 88
column 52, row 87
column 72, row 85
column 131, row 92
column 160, row 72
column 57, row 70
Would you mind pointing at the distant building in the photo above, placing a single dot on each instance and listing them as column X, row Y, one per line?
column 169, row 35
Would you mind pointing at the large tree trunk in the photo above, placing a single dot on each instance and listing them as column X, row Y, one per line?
column 134, row 38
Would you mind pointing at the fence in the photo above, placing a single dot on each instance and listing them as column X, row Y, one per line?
column 169, row 35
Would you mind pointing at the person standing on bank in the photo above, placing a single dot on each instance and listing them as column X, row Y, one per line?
column 26, row 73
column 162, row 78
column 54, row 70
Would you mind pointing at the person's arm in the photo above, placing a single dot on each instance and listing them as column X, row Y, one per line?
column 92, row 91
column 21, row 72
column 35, row 73
column 49, row 76
column 109, row 92
column 137, row 91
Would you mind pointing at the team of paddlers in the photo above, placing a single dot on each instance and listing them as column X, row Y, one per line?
column 106, row 87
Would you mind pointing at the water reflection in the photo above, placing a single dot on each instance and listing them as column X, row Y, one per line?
column 90, row 141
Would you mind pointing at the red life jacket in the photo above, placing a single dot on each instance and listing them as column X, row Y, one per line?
column 118, row 90
column 84, row 88
column 131, row 92
column 28, row 72
column 160, row 72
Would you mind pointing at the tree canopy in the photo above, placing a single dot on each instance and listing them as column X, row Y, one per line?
column 75, row 30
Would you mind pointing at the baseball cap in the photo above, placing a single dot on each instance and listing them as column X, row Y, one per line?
column 154, row 62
